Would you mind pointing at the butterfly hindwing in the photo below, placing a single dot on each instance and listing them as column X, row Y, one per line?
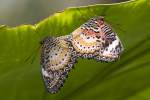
column 56, row 62
column 111, row 50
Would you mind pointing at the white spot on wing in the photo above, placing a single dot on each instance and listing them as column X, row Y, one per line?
column 111, row 46
column 45, row 73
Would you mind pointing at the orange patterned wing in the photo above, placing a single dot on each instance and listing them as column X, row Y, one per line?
column 95, row 39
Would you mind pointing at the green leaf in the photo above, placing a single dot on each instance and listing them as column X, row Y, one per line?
column 126, row 79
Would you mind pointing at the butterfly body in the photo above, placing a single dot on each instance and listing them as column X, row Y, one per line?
column 95, row 39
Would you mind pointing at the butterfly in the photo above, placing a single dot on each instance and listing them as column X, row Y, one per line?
column 95, row 39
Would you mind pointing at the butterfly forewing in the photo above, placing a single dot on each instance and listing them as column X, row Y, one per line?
column 84, row 39
column 95, row 39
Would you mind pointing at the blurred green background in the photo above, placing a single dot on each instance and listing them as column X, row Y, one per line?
column 16, row 12
column 126, row 79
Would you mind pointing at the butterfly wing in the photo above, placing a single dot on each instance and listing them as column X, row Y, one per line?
column 111, row 48
column 95, row 39
column 85, row 39
column 56, row 62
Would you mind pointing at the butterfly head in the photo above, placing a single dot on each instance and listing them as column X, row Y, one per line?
column 100, row 20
